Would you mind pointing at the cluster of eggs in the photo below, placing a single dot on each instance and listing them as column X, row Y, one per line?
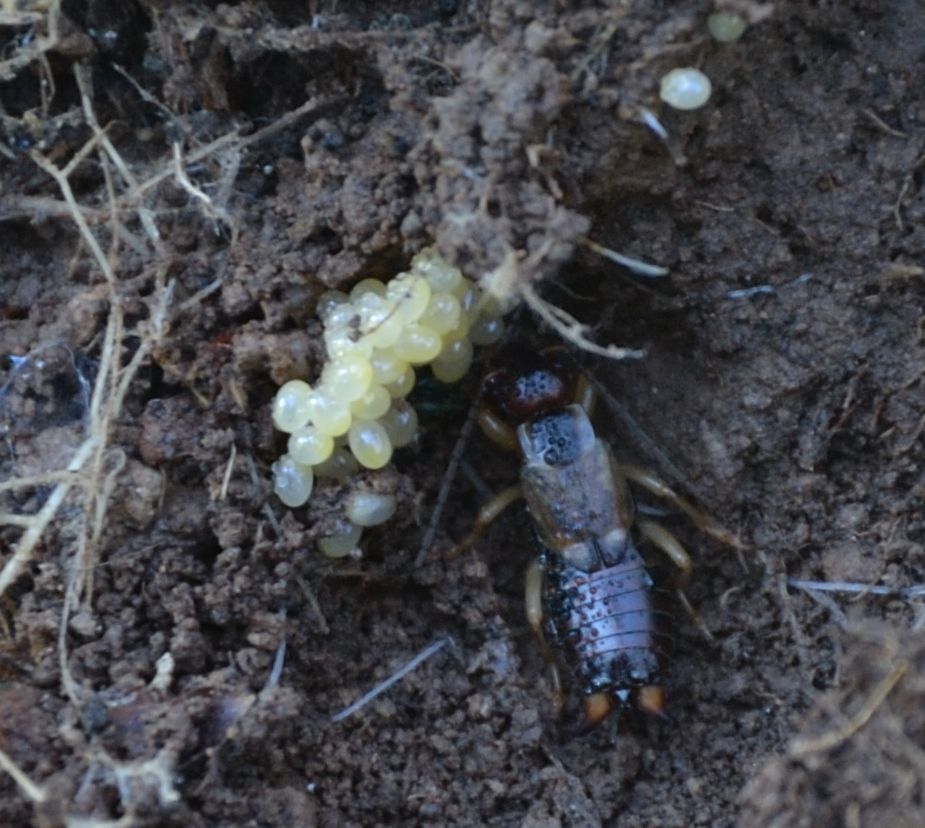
column 356, row 414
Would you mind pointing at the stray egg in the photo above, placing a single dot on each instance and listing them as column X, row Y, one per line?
column 370, row 509
column 725, row 26
column 685, row 88
column 341, row 543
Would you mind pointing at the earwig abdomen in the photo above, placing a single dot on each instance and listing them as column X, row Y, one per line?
column 607, row 621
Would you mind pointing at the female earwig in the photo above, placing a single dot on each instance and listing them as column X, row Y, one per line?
column 590, row 583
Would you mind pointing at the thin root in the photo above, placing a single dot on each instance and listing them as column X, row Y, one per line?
column 397, row 676
column 834, row 738
column 570, row 329
column 35, row 792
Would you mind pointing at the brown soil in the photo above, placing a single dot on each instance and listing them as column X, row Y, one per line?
column 322, row 143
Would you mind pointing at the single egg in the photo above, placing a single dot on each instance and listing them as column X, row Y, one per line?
column 491, row 304
column 292, row 481
column 291, row 406
column 451, row 371
column 418, row 344
column 443, row 313
column 347, row 378
column 341, row 465
column 367, row 286
column 329, row 300
column 373, row 404
column 370, row 443
column 454, row 361
column 726, row 26
column 310, row 446
column 380, row 321
column 341, row 342
column 685, row 88
column 403, row 385
column 341, row 543
column 386, row 366
column 486, row 330
column 341, row 315
column 369, row 509
column 438, row 272
column 328, row 415
column 455, row 350
column 411, row 294
column 400, row 423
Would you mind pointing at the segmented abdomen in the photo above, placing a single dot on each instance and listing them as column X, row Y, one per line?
column 607, row 621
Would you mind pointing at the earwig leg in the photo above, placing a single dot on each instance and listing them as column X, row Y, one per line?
column 497, row 430
column 533, row 600
column 694, row 615
column 487, row 515
column 661, row 538
column 700, row 519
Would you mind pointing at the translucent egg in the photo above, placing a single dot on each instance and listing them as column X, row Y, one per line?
column 725, row 26
column 370, row 444
column 374, row 286
column 290, row 406
column 341, row 465
column 418, row 344
column 310, row 446
column 329, row 300
column 436, row 270
column 491, row 304
column 442, row 313
column 411, row 295
column 451, row 371
column 373, row 404
column 454, row 361
column 369, row 509
column 379, row 320
column 403, row 385
column 341, row 342
column 328, row 415
column 347, row 378
column 486, row 330
column 292, row 481
column 455, row 350
column 341, row 316
column 685, row 88
column 386, row 366
column 341, row 543
column 400, row 423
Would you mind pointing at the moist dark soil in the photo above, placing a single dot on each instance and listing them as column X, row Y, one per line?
column 173, row 647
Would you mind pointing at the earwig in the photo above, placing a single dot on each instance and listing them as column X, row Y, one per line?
column 589, row 593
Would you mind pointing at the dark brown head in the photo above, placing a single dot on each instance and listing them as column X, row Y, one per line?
column 531, row 384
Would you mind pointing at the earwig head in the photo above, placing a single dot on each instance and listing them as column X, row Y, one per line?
column 535, row 383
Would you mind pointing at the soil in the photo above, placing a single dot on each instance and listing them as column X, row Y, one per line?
column 143, row 679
